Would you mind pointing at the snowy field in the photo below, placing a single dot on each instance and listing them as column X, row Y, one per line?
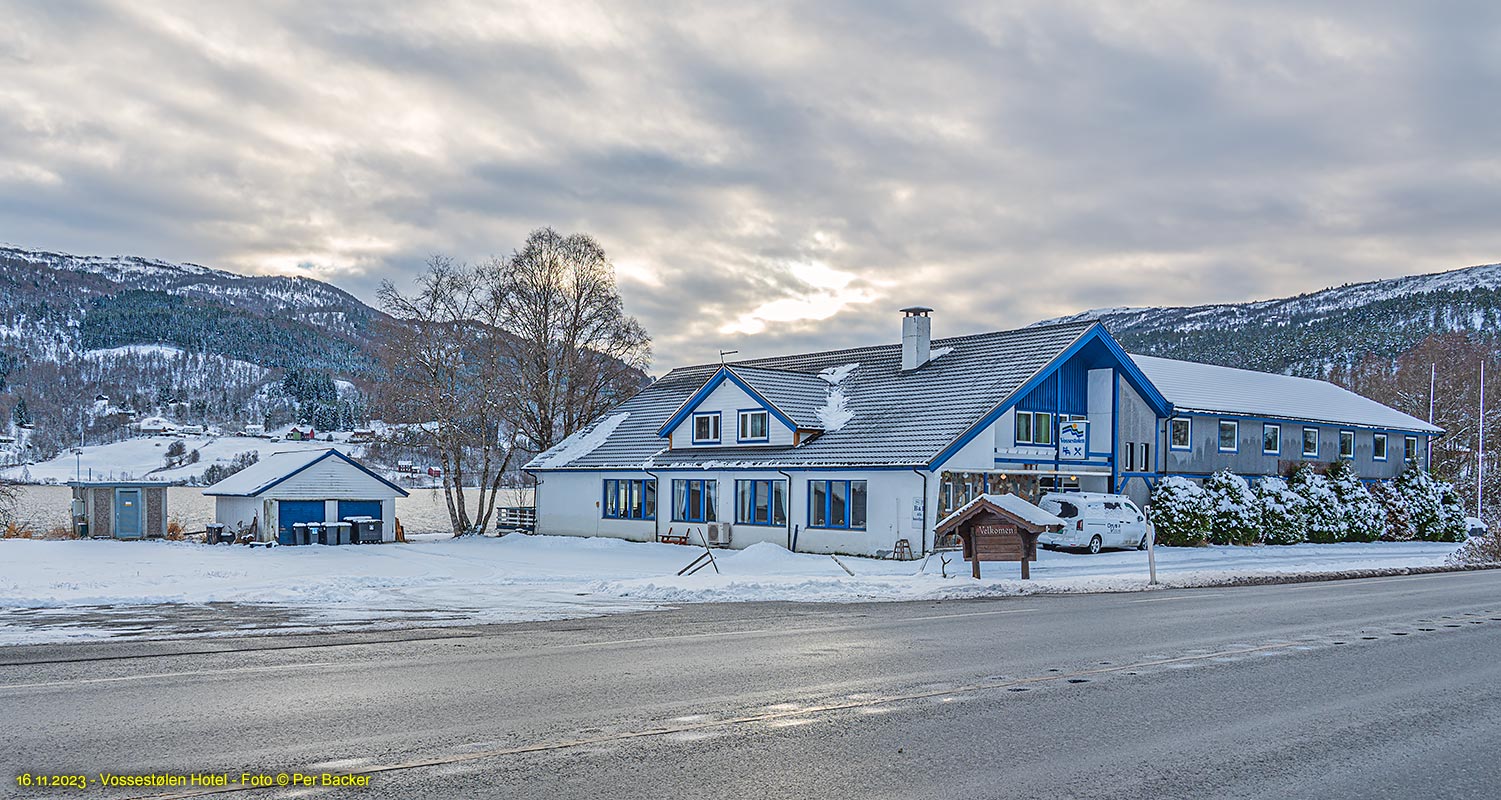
column 521, row 578
column 144, row 458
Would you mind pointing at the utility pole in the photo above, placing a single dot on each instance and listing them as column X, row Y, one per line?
column 1480, row 449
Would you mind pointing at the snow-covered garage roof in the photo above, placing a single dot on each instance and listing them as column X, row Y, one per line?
column 261, row 476
column 1195, row 387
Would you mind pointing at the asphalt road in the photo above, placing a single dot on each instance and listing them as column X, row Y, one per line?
column 1386, row 687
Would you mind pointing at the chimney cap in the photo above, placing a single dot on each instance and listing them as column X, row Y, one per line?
column 916, row 311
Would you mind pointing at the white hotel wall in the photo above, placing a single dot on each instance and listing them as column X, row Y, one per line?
column 729, row 400
column 568, row 504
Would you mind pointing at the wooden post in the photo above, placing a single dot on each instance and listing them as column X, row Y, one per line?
column 1026, row 570
column 974, row 564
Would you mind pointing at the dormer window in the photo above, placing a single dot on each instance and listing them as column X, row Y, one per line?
column 706, row 428
column 755, row 425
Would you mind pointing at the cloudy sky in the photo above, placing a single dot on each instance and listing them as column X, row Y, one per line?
column 770, row 177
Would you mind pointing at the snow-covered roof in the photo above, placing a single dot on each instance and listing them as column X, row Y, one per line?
column 277, row 467
column 1195, row 387
column 1011, row 504
column 888, row 418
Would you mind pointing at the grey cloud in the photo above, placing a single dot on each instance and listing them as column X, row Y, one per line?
column 1000, row 162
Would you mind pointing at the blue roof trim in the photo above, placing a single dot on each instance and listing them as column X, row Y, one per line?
column 721, row 375
column 327, row 453
column 1095, row 333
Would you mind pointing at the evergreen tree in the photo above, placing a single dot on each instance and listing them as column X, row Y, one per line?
column 1322, row 510
column 21, row 415
column 1280, row 512
column 1364, row 517
column 1180, row 512
column 1399, row 524
column 1234, row 517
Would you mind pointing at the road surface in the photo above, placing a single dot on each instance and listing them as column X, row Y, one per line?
column 1387, row 687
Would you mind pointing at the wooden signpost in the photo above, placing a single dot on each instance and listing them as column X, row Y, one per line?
column 989, row 532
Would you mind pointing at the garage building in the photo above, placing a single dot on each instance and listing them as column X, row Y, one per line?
column 303, row 486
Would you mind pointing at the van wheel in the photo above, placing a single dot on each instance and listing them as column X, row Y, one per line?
column 1142, row 545
column 1094, row 545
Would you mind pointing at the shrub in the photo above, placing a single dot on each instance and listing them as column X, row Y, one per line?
column 1280, row 512
column 1322, row 512
column 1180, row 512
column 1398, row 517
column 1364, row 519
column 1477, row 551
column 1437, row 515
column 1232, row 509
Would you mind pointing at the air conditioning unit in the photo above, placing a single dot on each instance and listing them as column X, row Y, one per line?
column 719, row 534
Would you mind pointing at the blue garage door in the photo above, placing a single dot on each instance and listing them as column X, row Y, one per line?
column 359, row 508
column 291, row 512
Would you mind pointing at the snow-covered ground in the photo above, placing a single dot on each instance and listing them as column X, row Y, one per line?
column 143, row 458
column 520, row 578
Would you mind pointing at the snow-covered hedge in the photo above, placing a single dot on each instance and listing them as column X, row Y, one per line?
column 1332, row 507
column 1180, row 512
column 1234, row 517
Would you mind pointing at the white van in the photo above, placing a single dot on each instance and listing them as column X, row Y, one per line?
column 1094, row 521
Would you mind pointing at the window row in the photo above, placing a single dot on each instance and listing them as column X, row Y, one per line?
column 831, row 503
column 1180, row 437
column 1037, row 427
column 752, row 426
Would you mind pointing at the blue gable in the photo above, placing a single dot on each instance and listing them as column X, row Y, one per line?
column 1062, row 385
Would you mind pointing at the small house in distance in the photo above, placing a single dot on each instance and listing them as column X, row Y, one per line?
column 119, row 509
column 286, row 488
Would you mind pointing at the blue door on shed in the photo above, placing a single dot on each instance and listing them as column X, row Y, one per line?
column 359, row 508
column 128, row 513
column 291, row 512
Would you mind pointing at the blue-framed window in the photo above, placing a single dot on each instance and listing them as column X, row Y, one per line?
column 629, row 499
column 836, row 504
column 753, row 425
column 1347, row 444
column 1229, row 438
column 1378, row 446
column 1310, row 442
column 759, row 502
column 1180, row 433
column 706, row 428
column 1271, row 439
column 695, row 500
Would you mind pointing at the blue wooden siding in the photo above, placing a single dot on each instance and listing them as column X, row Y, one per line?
column 1066, row 391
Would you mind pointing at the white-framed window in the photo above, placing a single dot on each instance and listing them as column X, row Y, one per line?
column 1310, row 442
column 1146, row 457
column 1130, row 456
column 1347, row 444
column 1378, row 446
column 1180, row 433
column 755, row 425
column 1023, row 427
column 1271, row 439
column 1229, row 436
column 1042, row 427
column 1410, row 448
column 706, row 428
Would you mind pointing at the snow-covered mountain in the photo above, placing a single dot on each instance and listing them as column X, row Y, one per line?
column 159, row 337
column 1313, row 334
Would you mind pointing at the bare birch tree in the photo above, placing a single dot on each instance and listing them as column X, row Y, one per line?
column 446, row 373
column 575, row 350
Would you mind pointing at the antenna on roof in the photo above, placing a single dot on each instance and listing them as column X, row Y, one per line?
column 723, row 353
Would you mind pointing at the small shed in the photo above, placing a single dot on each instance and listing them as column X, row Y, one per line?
column 119, row 509
column 286, row 488
column 999, row 527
